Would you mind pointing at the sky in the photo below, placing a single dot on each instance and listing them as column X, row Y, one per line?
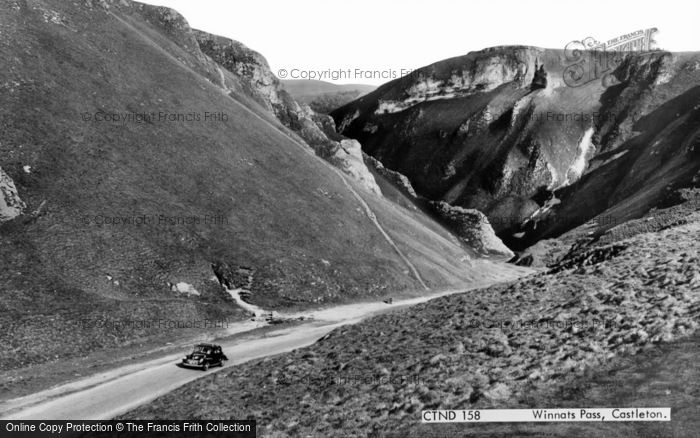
column 373, row 41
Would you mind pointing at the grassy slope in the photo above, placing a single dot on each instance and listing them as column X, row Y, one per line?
column 282, row 211
column 324, row 97
column 311, row 88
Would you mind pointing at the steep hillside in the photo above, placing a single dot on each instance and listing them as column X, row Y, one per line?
column 501, row 131
column 139, row 162
column 256, row 80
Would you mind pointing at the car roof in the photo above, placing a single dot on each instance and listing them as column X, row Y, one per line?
column 208, row 345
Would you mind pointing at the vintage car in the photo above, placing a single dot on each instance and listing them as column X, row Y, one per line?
column 204, row 356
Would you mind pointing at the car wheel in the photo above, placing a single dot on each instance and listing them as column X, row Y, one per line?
column 205, row 367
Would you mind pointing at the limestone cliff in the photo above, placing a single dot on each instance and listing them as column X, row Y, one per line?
column 11, row 205
column 500, row 131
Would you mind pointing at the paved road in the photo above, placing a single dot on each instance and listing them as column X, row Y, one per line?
column 107, row 394
column 125, row 388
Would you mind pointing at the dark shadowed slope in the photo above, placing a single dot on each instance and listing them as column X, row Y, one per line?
column 504, row 131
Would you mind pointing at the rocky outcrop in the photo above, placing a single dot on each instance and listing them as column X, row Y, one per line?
column 540, row 78
column 11, row 205
column 252, row 68
column 184, row 289
column 473, row 227
column 453, row 78
column 233, row 277
column 350, row 154
column 262, row 85
column 398, row 180
column 174, row 25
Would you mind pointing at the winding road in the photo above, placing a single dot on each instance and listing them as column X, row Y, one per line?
column 108, row 394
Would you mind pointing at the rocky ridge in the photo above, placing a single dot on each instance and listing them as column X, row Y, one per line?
column 500, row 131
column 259, row 82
